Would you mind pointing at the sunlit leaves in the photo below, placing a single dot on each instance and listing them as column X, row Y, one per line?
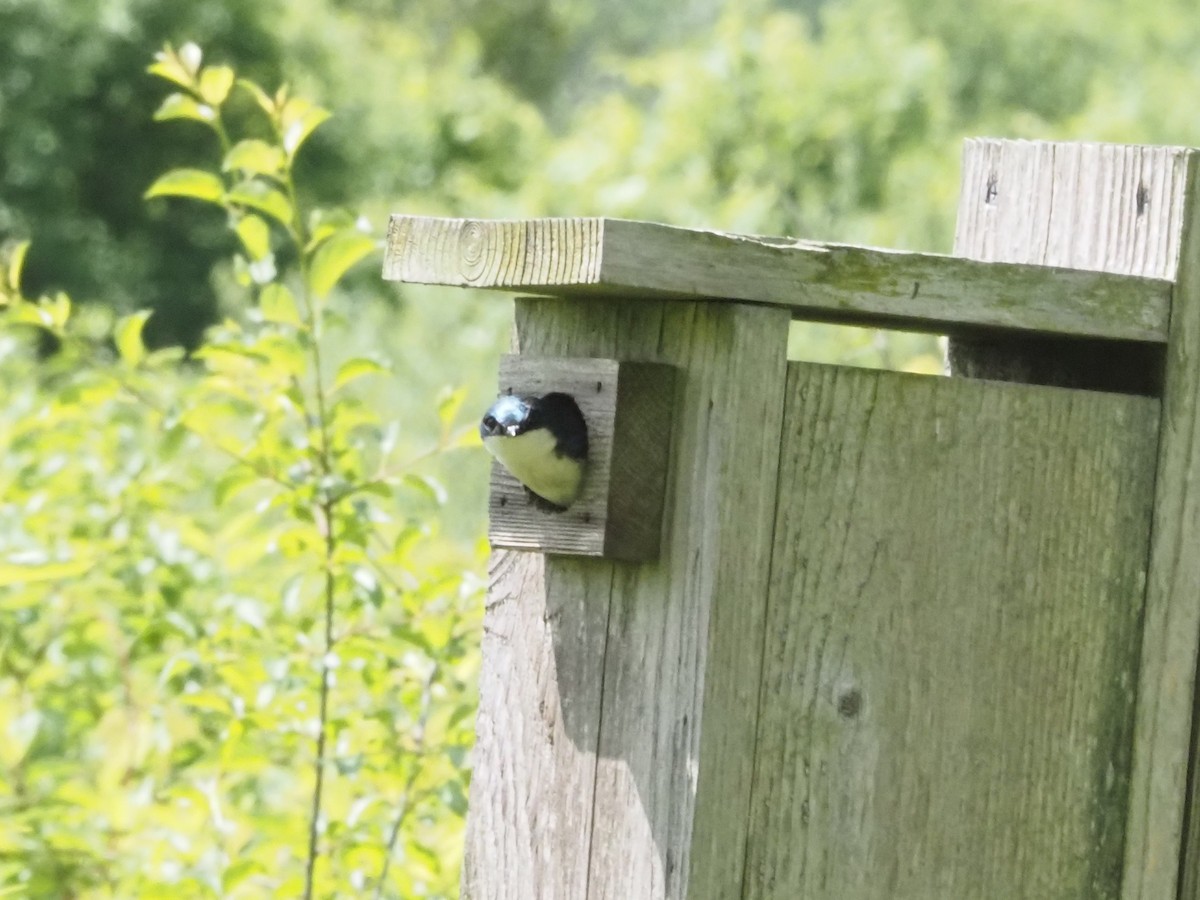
column 298, row 118
column 14, row 266
column 190, row 56
column 255, row 236
column 353, row 369
column 180, row 68
column 215, row 82
column 195, row 183
column 183, row 106
column 21, row 574
column 254, row 157
column 261, row 197
column 334, row 257
column 172, row 532
column 278, row 304
column 261, row 97
column 128, row 337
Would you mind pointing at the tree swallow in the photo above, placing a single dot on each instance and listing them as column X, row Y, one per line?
column 542, row 441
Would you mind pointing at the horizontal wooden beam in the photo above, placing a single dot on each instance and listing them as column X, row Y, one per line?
column 821, row 282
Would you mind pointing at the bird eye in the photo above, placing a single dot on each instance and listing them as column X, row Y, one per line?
column 489, row 421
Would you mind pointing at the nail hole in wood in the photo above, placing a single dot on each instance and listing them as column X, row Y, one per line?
column 849, row 704
column 989, row 194
column 1142, row 199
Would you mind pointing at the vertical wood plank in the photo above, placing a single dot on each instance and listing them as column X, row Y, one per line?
column 529, row 825
column 537, row 727
column 1130, row 210
column 1166, row 702
column 666, row 704
column 952, row 640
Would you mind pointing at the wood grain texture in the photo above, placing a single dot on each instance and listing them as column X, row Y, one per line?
column 529, row 823
column 647, row 779
column 952, row 640
column 618, row 515
column 821, row 282
column 1098, row 207
column 1127, row 210
column 1166, row 725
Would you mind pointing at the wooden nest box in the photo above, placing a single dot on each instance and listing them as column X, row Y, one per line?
column 822, row 632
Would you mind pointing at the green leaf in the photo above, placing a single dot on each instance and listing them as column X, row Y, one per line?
column 355, row 368
column 232, row 482
column 168, row 65
column 255, row 235
column 368, row 584
column 263, row 198
column 297, row 120
column 195, row 183
column 58, row 308
column 284, row 353
column 254, row 157
column 190, row 55
column 427, row 486
column 20, row 730
column 449, row 405
column 261, row 97
column 16, row 261
column 324, row 224
column 239, row 872
column 17, row 573
column 128, row 337
column 30, row 314
column 278, row 304
column 334, row 258
column 182, row 106
column 215, row 82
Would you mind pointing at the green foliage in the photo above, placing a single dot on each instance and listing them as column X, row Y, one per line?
column 237, row 657
column 77, row 142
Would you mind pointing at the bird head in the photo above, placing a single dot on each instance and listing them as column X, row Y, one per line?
column 508, row 417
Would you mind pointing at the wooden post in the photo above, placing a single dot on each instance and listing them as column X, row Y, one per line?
column 1130, row 210
column 618, row 702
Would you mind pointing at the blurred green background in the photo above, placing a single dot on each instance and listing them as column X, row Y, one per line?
column 832, row 120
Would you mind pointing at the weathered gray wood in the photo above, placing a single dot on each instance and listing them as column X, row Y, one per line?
column 1098, row 207
column 627, row 408
column 666, row 727
column 822, row 282
column 537, row 728
column 952, row 640
column 1127, row 210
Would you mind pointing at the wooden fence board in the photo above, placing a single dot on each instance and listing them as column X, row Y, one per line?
column 953, row 638
column 1129, row 210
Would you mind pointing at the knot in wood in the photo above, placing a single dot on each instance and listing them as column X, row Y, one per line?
column 472, row 243
column 849, row 703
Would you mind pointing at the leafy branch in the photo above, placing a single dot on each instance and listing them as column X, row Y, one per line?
column 256, row 186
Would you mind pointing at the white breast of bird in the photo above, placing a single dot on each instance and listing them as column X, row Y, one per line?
column 530, row 457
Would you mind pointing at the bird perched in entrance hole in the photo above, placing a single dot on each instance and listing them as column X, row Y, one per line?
column 543, row 442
